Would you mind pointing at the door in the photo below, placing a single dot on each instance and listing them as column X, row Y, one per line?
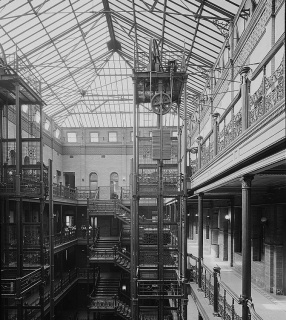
column 114, row 186
column 70, row 179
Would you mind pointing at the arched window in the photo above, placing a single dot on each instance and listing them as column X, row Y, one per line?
column 26, row 160
column 114, row 187
column 93, row 181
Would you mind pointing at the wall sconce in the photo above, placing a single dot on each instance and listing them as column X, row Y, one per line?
column 263, row 220
column 123, row 287
column 194, row 150
column 227, row 217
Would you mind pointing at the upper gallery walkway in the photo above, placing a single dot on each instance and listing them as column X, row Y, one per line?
column 265, row 305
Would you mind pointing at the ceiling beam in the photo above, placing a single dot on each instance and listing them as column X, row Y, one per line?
column 217, row 8
column 199, row 12
column 113, row 44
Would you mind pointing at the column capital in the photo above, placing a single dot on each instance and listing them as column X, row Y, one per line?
column 215, row 115
column 244, row 70
column 246, row 181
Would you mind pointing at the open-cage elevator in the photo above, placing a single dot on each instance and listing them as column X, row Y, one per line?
column 158, row 243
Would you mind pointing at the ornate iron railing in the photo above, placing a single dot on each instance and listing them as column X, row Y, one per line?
column 155, row 288
column 61, row 237
column 30, row 181
column 86, row 193
column 220, row 296
column 207, row 149
column 270, row 92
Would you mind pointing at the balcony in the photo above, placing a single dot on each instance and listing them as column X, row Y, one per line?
column 242, row 132
column 30, row 181
column 82, row 193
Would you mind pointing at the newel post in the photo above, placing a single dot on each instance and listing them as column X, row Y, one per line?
column 216, row 290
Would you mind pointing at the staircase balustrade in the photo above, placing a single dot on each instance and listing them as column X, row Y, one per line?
column 117, row 255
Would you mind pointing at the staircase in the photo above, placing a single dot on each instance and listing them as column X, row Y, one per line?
column 107, row 288
column 103, row 250
column 123, row 310
column 123, row 213
column 122, row 260
column 106, row 243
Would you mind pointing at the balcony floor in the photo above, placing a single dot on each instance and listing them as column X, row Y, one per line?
column 267, row 305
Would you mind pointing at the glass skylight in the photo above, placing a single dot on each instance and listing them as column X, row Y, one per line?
column 83, row 55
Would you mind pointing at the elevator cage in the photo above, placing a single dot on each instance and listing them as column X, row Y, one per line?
column 157, row 265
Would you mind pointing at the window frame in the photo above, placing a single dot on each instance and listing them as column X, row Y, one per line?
column 71, row 132
column 116, row 136
column 90, row 136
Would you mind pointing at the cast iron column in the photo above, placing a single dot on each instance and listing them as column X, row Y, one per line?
column 185, row 199
column 19, row 218
column 200, row 238
column 134, row 235
column 52, row 240
column 246, row 243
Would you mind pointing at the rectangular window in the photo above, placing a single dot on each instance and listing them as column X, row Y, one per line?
column 71, row 136
column 94, row 137
column 175, row 134
column 112, row 136
column 131, row 136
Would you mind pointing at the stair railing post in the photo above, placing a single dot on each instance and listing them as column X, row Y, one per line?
column 216, row 290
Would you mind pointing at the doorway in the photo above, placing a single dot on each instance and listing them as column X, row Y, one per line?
column 69, row 179
column 114, row 186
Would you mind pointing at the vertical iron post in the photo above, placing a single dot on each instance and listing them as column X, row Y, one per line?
column 134, row 241
column 246, row 243
column 185, row 199
column 200, row 239
column 216, row 290
column 19, row 298
column 42, row 206
column 51, row 239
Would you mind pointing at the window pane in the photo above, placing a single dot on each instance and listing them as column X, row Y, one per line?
column 112, row 136
column 94, row 137
column 174, row 133
column 71, row 136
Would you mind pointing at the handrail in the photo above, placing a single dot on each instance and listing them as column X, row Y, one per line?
column 224, row 298
column 229, row 125
column 60, row 285
column 229, row 291
column 30, row 280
